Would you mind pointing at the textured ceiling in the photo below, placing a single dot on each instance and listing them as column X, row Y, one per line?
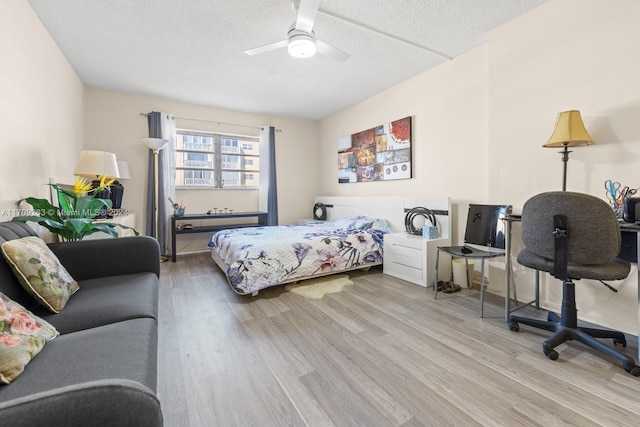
column 192, row 50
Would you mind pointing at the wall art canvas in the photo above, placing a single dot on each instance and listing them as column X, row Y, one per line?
column 382, row 153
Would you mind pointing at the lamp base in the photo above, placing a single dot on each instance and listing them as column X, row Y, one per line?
column 117, row 192
column 565, row 158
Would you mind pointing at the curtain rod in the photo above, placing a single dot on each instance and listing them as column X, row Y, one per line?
column 215, row 121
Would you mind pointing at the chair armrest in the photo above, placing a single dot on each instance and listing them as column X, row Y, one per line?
column 88, row 259
column 100, row 403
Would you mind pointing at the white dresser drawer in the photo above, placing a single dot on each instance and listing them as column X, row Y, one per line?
column 404, row 272
column 414, row 261
column 403, row 252
column 404, row 240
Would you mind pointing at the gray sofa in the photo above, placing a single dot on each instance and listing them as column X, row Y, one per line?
column 102, row 369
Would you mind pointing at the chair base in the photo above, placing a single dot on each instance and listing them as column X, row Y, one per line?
column 564, row 328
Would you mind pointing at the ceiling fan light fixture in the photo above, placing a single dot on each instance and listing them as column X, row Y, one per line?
column 301, row 46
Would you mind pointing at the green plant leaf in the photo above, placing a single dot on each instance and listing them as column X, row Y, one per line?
column 79, row 226
column 105, row 228
column 69, row 193
column 90, row 207
column 44, row 209
column 112, row 225
column 66, row 202
column 51, row 224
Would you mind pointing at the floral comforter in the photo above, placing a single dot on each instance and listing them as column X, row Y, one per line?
column 259, row 257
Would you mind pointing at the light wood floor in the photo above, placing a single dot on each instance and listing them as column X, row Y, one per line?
column 382, row 352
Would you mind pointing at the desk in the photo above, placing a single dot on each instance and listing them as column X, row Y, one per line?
column 634, row 228
column 509, row 220
column 262, row 218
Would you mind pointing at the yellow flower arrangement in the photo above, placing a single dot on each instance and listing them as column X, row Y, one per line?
column 74, row 218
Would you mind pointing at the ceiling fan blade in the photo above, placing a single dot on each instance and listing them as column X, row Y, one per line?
column 307, row 11
column 267, row 48
column 333, row 52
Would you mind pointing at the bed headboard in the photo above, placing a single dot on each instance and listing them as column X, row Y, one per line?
column 393, row 209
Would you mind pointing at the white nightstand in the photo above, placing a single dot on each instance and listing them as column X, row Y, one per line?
column 129, row 220
column 412, row 258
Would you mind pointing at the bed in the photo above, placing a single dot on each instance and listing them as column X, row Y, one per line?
column 296, row 252
column 351, row 237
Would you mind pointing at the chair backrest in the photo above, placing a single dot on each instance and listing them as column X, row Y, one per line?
column 592, row 227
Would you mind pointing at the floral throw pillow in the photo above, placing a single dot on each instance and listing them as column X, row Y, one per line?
column 22, row 336
column 40, row 272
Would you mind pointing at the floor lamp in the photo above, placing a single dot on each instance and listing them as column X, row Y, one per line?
column 155, row 144
column 569, row 132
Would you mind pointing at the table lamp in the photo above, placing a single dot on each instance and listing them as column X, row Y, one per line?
column 569, row 132
column 95, row 164
column 117, row 189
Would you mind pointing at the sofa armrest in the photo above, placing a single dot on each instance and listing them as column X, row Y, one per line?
column 100, row 403
column 88, row 259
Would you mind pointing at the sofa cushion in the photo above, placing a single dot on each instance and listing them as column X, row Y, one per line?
column 9, row 284
column 124, row 350
column 22, row 336
column 40, row 272
column 107, row 300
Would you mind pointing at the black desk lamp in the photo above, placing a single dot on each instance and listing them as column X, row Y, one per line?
column 569, row 132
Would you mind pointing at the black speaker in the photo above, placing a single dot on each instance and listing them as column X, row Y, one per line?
column 631, row 209
column 320, row 211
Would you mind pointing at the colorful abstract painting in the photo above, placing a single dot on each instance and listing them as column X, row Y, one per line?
column 382, row 153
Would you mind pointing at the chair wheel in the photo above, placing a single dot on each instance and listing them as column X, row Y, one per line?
column 622, row 342
column 551, row 354
column 635, row 371
column 514, row 326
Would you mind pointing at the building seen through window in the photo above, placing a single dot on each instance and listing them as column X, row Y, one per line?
column 208, row 160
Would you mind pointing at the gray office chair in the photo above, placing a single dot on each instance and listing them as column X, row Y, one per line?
column 572, row 236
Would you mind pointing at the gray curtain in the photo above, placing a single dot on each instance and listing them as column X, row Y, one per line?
column 155, row 131
column 272, row 195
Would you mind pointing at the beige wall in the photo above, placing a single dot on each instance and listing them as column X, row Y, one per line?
column 568, row 54
column 448, row 106
column 41, row 108
column 481, row 119
column 114, row 124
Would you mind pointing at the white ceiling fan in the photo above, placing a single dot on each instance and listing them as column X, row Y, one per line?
column 301, row 40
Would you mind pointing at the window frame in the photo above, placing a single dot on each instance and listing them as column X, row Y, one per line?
column 218, row 155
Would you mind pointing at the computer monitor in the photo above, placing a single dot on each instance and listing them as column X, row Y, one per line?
column 484, row 225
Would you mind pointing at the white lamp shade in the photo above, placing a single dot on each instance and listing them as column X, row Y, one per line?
column 155, row 143
column 123, row 168
column 93, row 164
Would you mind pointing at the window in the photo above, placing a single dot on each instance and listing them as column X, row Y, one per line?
column 208, row 160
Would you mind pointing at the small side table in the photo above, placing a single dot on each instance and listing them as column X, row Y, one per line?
column 460, row 252
column 410, row 257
